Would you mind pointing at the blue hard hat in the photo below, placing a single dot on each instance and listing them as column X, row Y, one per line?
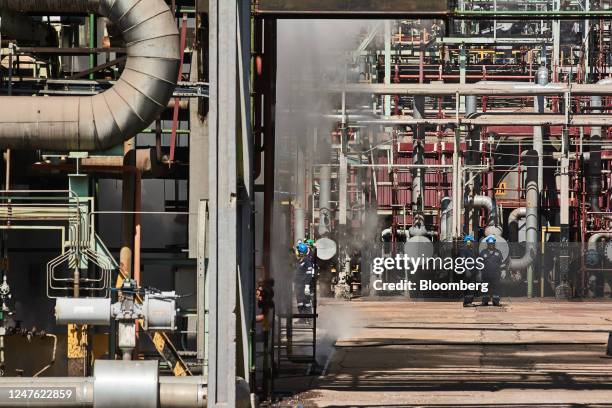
column 302, row 248
column 468, row 238
column 491, row 239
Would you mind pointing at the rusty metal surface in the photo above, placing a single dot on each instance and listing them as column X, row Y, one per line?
column 321, row 8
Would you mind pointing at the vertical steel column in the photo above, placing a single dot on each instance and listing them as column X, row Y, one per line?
column 222, row 268
column 387, row 98
column 246, row 187
column 269, row 106
column 556, row 33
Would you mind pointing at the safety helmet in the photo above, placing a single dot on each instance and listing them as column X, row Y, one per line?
column 302, row 248
column 491, row 239
column 468, row 238
column 310, row 242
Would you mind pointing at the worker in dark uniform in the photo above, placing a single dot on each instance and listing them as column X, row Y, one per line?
column 304, row 277
column 493, row 261
column 471, row 274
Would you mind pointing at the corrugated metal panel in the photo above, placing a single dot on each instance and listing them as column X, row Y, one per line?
column 404, row 196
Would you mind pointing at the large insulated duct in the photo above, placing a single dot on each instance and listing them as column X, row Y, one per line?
column 107, row 119
column 531, row 215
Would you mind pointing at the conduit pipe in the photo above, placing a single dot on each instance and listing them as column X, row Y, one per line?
column 107, row 119
column 531, row 215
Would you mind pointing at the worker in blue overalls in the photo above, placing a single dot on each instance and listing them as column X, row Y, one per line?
column 304, row 277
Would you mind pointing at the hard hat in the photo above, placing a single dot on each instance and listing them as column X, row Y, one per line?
column 310, row 242
column 468, row 238
column 302, row 248
column 491, row 239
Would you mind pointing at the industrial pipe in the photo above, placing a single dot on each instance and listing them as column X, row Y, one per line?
column 418, row 159
column 445, row 213
column 531, row 215
column 472, row 158
column 592, row 243
column 515, row 215
column 502, row 89
column 386, row 233
column 107, row 119
column 593, row 167
column 116, row 383
column 488, row 203
column 538, row 131
column 324, row 199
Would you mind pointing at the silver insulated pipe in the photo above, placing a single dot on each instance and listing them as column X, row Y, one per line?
column 107, row 119
column 531, row 215
column 324, row 199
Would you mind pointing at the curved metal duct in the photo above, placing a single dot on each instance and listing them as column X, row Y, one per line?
column 488, row 203
column 531, row 215
column 515, row 215
column 107, row 119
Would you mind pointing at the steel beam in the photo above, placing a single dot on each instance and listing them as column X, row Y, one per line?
column 353, row 8
column 223, row 192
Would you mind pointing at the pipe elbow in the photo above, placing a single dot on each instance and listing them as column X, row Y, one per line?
column 486, row 202
column 107, row 119
column 516, row 214
column 522, row 263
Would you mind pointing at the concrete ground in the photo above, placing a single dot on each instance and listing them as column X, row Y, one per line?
column 380, row 353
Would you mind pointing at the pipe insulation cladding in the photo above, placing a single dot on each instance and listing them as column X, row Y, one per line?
column 531, row 215
column 107, row 119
